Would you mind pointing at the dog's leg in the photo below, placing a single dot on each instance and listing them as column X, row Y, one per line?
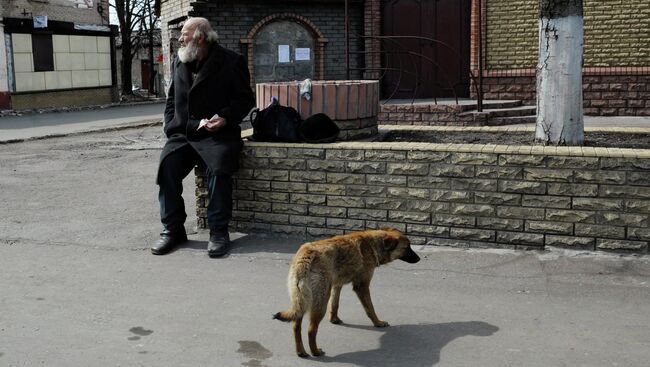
column 362, row 289
column 334, row 305
column 297, row 335
column 315, row 317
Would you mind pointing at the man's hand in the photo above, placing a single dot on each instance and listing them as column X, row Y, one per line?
column 215, row 124
column 212, row 125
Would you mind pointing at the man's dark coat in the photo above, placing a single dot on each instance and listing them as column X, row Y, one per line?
column 222, row 86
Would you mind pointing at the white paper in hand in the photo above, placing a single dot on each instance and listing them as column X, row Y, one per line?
column 204, row 122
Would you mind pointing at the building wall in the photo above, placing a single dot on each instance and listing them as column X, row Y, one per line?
column 616, row 56
column 234, row 20
column 82, row 11
column 82, row 54
column 79, row 62
column 616, row 33
column 616, row 73
column 63, row 98
column 5, row 96
column 172, row 13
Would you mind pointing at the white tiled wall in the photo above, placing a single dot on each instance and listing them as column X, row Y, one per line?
column 79, row 62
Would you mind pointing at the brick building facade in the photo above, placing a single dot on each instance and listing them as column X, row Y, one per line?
column 56, row 53
column 616, row 74
column 616, row 33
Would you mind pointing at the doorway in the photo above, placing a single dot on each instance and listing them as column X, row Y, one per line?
column 427, row 52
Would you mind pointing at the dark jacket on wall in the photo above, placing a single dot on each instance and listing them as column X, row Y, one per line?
column 222, row 86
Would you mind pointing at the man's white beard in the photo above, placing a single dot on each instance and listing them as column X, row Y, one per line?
column 188, row 53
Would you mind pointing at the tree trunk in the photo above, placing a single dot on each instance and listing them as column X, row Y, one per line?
column 559, row 73
column 150, row 29
column 127, row 58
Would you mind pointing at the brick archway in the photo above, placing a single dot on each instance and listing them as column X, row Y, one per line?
column 319, row 39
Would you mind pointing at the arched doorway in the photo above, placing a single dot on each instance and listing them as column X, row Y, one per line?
column 284, row 47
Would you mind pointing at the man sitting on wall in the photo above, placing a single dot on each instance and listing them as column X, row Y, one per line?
column 212, row 84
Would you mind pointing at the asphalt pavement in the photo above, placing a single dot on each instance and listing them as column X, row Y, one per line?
column 79, row 286
column 52, row 124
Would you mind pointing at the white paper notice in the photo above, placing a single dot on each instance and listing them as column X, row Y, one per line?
column 283, row 53
column 302, row 54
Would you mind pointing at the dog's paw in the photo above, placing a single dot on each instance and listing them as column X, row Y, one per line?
column 303, row 354
column 318, row 352
column 382, row 324
column 336, row 320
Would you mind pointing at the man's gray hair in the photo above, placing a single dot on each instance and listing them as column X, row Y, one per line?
column 205, row 30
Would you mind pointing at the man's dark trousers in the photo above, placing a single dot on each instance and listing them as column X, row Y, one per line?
column 173, row 169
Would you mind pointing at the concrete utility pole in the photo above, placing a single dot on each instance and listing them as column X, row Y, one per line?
column 559, row 73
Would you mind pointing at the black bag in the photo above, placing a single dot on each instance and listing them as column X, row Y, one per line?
column 319, row 128
column 276, row 123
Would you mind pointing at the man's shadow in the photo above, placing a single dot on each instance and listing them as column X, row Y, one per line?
column 411, row 345
column 249, row 244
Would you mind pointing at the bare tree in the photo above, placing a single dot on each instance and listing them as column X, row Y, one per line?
column 137, row 23
column 559, row 73
column 149, row 26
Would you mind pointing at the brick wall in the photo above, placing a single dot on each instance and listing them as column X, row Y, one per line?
column 603, row 95
column 447, row 195
column 429, row 114
column 170, row 13
column 511, row 34
column 616, row 33
column 233, row 20
column 616, row 77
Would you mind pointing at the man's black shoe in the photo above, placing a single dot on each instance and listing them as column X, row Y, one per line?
column 168, row 240
column 219, row 244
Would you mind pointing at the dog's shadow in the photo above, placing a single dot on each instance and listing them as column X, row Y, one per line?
column 411, row 345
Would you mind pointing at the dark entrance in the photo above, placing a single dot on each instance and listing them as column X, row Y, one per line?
column 417, row 67
column 145, row 75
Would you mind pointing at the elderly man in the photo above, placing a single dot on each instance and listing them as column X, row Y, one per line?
column 209, row 96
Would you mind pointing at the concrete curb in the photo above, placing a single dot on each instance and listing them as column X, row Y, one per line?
column 10, row 113
column 144, row 123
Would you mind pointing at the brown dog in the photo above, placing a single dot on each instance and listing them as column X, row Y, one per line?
column 319, row 270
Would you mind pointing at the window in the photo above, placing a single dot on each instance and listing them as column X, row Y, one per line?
column 43, row 52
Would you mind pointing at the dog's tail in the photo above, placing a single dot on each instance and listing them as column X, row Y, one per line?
column 299, row 300
column 300, row 292
column 285, row 316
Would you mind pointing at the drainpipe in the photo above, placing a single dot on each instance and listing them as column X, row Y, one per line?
column 480, row 56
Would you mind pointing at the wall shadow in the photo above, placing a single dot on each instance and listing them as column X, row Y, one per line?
column 256, row 243
column 416, row 345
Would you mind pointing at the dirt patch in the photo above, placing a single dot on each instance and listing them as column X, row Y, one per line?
column 592, row 139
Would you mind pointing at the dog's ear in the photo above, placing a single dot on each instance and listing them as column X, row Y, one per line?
column 390, row 243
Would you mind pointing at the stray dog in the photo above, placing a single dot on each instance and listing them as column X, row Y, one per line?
column 319, row 270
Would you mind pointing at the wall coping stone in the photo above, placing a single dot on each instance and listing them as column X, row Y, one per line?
column 574, row 151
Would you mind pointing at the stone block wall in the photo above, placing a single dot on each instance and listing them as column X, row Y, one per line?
column 484, row 196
